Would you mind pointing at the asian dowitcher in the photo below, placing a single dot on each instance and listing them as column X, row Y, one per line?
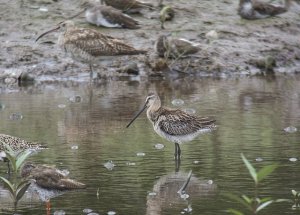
column 175, row 47
column 107, row 16
column 48, row 182
column 17, row 145
column 251, row 9
column 176, row 126
column 90, row 46
column 128, row 6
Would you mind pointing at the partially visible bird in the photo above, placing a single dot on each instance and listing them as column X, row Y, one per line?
column 176, row 126
column 90, row 46
column 175, row 47
column 17, row 145
column 251, row 9
column 48, row 182
column 167, row 13
column 107, row 16
column 128, row 6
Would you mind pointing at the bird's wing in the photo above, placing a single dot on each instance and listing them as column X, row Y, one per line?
column 268, row 9
column 96, row 44
column 178, row 122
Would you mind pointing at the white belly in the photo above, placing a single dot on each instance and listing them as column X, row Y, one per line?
column 96, row 18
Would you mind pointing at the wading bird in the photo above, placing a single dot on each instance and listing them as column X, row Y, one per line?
column 176, row 126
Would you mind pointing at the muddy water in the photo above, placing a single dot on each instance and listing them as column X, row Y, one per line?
column 84, row 128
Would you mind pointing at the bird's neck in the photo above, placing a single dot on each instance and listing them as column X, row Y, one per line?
column 153, row 110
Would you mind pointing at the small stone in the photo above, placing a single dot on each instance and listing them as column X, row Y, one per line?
column 293, row 159
column 87, row 210
column 130, row 164
column 259, row 159
column 290, row 129
column 109, row 165
column 212, row 35
column 177, row 102
column 159, row 146
column 152, row 194
column 210, row 182
column 59, row 212
column 43, row 9
column 140, row 154
column 196, row 162
column 16, row 116
column 111, row 213
column 93, row 213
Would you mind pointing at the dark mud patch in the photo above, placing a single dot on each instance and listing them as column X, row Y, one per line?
column 237, row 47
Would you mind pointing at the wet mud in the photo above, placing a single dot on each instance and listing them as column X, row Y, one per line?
column 229, row 44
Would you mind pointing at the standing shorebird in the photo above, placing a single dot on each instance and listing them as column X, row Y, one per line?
column 175, row 48
column 176, row 126
column 107, row 16
column 48, row 182
column 167, row 13
column 251, row 9
column 128, row 6
column 17, row 145
column 90, row 46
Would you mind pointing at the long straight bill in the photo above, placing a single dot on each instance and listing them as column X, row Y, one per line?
column 136, row 116
column 47, row 32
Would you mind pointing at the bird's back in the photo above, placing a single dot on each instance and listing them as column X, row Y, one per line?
column 18, row 144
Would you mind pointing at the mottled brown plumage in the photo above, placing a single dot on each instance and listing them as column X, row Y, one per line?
column 90, row 46
column 251, row 9
column 17, row 144
column 108, row 16
column 175, row 47
column 176, row 126
column 128, row 6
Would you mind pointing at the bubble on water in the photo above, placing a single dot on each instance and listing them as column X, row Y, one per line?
column 196, row 162
column 61, row 106
column 152, row 194
column 111, row 213
column 293, row 159
column 140, row 154
column 189, row 110
column 109, row 165
column 177, row 102
column 159, row 146
column 210, row 181
column 87, row 210
column 93, row 213
column 16, row 116
column 259, row 159
column 75, row 99
column 184, row 196
column 74, row 147
column 290, row 129
column 59, row 212
column 130, row 163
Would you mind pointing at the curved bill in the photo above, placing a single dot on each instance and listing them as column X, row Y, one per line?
column 47, row 32
column 136, row 116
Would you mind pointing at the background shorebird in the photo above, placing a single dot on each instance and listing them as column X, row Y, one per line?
column 167, row 13
column 128, row 6
column 48, row 182
column 88, row 45
column 176, row 126
column 107, row 16
column 175, row 48
column 250, row 9
column 17, row 145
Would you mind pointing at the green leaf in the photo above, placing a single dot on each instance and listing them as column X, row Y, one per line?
column 284, row 200
column 263, row 205
column 265, row 171
column 233, row 211
column 238, row 199
column 251, row 169
column 8, row 185
column 22, row 189
column 22, row 157
column 294, row 192
column 247, row 199
column 265, row 199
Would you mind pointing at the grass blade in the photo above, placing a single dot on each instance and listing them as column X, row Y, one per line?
column 251, row 169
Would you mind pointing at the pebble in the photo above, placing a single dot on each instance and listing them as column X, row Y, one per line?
column 109, row 165
column 259, row 159
column 159, row 146
column 152, row 194
column 140, row 154
column 290, row 129
column 74, row 147
column 293, row 159
column 16, row 116
column 59, row 212
column 111, row 213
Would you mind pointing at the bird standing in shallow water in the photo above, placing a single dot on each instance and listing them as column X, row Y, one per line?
column 48, row 182
column 251, row 9
column 176, row 126
column 90, row 46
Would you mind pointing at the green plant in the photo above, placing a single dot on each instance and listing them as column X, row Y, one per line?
column 16, row 187
column 254, row 204
column 296, row 204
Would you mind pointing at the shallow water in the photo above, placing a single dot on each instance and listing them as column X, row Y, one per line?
column 83, row 133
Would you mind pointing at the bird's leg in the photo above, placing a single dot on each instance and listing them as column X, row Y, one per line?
column 177, row 165
column 8, row 167
column 177, row 151
column 91, row 73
